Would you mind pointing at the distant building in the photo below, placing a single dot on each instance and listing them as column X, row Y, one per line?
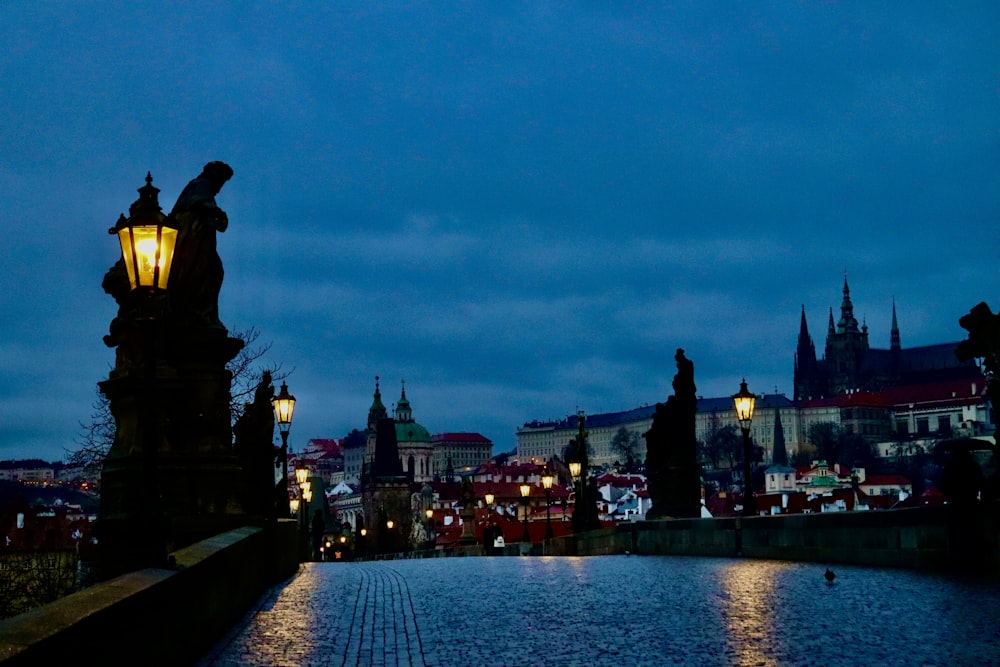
column 850, row 364
column 30, row 470
column 460, row 450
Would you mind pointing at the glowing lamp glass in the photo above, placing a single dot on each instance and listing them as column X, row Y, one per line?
column 744, row 402
column 547, row 480
column 284, row 408
column 148, row 251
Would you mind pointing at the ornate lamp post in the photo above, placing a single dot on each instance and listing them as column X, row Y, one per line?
column 431, row 537
column 147, row 239
column 489, row 497
column 547, row 480
column 744, row 402
column 284, row 407
column 305, row 496
column 525, row 493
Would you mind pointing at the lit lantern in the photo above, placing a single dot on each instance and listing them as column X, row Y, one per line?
column 301, row 474
column 147, row 240
column 744, row 402
column 284, row 407
column 547, row 480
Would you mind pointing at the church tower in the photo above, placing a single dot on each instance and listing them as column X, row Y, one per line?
column 376, row 412
column 807, row 380
column 846, row 347
column 416, row 450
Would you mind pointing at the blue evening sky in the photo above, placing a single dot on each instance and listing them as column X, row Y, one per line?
column 521, row 208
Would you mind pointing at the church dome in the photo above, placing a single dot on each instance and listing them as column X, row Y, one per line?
column 411, row 431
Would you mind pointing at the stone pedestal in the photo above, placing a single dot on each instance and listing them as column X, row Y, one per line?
column 172, row 476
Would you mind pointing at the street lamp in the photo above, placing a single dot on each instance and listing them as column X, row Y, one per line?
column 525, row 492
column 744, row 402
column 431, row 538
column 547, row 480
column 284, row 407
column 147, row 239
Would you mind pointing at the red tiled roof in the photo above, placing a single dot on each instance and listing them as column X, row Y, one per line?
column 461, row 437
column 885, row 480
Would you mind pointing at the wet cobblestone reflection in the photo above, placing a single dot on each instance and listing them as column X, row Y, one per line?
column 615, row 610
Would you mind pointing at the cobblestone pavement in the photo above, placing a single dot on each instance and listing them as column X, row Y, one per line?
column 614, row 610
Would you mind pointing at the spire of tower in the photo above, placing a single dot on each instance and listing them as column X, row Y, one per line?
column 848, row 323
column 404, row 413
column 830, row 330
column 894, row 342
column 377, row 410
column 780, row 454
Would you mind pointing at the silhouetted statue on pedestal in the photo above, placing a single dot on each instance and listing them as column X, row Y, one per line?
column 254, row 433
column 197, row 273
column 671, row 450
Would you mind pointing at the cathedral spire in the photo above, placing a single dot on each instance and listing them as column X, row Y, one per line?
column 894, row 342
column 848, row 323
column 830, row 329
column 780, row 454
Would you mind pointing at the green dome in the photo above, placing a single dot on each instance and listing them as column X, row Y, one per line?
column 411, row 432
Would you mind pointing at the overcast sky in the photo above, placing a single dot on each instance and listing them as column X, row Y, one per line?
column 523, row 209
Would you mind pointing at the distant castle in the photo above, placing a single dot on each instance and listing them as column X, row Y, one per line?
column 849, row 364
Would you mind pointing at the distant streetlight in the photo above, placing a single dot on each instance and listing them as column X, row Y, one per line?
column 547, row 480
column 284, row 407
column 431, row 538
column 744, row 402
column 305, row 495
column 525, row 493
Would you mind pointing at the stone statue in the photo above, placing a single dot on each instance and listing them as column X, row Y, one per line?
column 254, row 432
column 196, row 277
column 671, row 458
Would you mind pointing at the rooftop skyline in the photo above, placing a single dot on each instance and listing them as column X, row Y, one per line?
column 521, row 210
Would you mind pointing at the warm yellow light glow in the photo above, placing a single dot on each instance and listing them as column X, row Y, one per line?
column 525, row 490
column 284, row 408
column 364, row 531
column 429, row 513
column 389, row 524
column 307, row 495
column 148, row 251
column 744, row 402
column 301, row 475
column 306, row 487
column 490, row 497
column 343, row 539
column 547, row 480
column 293, row 504
column 574, row 468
